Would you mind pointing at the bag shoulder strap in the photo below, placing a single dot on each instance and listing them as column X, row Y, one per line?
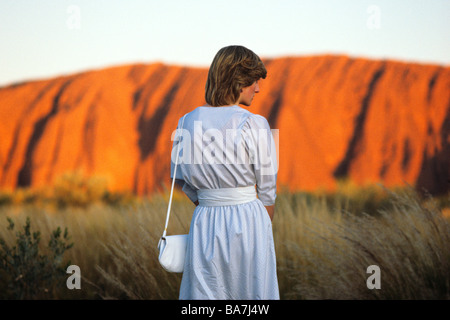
column 174, row 177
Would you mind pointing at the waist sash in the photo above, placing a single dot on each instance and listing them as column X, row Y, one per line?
column 225, row 196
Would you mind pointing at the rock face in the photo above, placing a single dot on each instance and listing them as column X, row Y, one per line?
column 338, row 117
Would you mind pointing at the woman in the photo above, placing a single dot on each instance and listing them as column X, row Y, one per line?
column 225, row 152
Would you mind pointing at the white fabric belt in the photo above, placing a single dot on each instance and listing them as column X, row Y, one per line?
column 225, row 196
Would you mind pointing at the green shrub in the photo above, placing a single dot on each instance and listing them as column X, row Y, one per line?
column 25, row 272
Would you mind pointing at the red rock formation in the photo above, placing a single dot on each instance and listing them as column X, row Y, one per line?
column 338, row 117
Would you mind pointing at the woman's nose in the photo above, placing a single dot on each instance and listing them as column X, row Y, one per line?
column 257, row 88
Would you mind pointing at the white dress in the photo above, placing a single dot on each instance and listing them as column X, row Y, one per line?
column 230, row 252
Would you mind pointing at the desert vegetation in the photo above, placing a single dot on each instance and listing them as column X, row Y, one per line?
column 324, row 242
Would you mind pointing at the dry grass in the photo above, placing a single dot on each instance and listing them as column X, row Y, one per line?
column 327, row 253
column 324, row 244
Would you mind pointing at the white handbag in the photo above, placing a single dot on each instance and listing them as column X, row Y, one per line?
column 172, row 252
column 172, row 249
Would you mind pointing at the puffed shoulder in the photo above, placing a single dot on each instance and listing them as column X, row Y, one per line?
column 256, row 121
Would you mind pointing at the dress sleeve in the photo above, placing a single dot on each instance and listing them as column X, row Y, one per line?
column 261, row 147
column 173, row 153
column 190, row 192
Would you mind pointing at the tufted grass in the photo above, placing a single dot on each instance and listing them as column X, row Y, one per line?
column 324, row 243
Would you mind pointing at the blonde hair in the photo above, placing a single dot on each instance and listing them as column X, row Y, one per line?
column 233, row 68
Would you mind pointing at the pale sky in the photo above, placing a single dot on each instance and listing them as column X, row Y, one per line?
column 46, row 38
